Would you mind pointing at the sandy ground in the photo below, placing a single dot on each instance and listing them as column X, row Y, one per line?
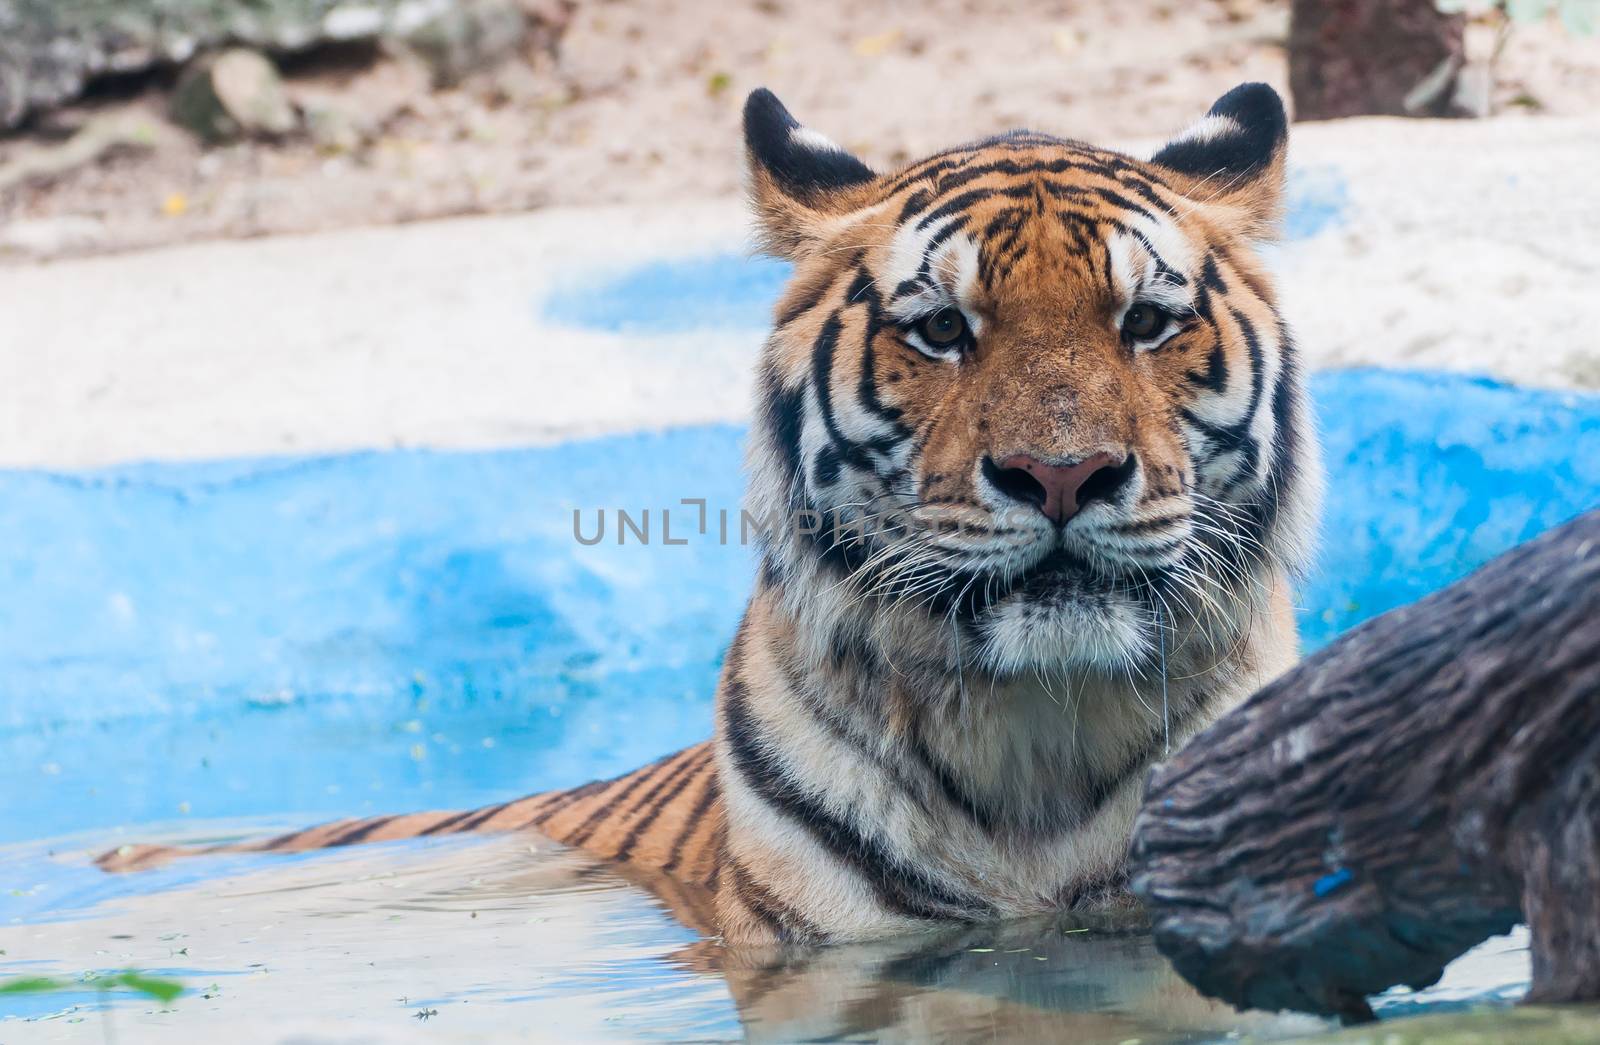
column 641, row 106
column 1468, row 246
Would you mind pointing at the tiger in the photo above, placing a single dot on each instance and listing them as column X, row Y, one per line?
column 1041, row 473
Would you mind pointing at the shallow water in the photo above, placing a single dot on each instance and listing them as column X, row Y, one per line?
column 515, row 937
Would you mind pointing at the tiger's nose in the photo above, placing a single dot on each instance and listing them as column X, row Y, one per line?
column 1060, row 491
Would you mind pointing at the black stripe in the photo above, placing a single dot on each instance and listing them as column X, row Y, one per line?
column 915, row 202
column 940, row 238
column 784, row 409
column 1171, row 274
column 953, row 791
column 1249, row 447
column 562, row 801
column 833, row 720
column 692, row 821
column 899, row 886
column 806, row 303
column 958, row 158
column 1013, row 168
column 1215, row 375
column 661, row 800
column 789, row 925
column 716, row 871
column 1100, row 193
column 482, row 816
column 641, row 777
column 1132, row 529
column 822, row 352
column 1236, row 435
column 1285, row 462
column 445, row 825
column 966, row 199
column 825, row 466
column 361, row 830
column 865, row 292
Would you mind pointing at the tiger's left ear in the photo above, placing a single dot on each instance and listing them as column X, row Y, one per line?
column 1235, row 157
column 798, row 178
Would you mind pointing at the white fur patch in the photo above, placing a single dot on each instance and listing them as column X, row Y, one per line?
column 1210, row 129
column 814, row 140
column 1109, row 634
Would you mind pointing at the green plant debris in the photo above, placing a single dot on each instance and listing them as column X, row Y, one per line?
column 162, row 990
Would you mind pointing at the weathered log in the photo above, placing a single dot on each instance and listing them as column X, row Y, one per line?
column 1372, row 58
column 1429, row 780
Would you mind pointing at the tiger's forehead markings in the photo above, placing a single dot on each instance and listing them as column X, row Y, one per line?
column 1153, row 260
column 1107, row 205
column 1138, row 249
column 943, row 173
column 916, row 253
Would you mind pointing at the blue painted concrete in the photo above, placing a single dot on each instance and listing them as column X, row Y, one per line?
column 327, row 636
column 1317, row 200
column 725, row 291
column 1332, row 883
column 731, row 291
column 1430, row 475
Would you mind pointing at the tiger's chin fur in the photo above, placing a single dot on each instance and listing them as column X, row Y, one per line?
column 1045, row 425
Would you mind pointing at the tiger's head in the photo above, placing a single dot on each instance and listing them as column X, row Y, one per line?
column 1035, row 391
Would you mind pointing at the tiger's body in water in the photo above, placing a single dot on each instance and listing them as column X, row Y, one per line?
column 1061, row 374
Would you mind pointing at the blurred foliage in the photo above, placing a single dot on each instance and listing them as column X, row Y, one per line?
column 1581, row 17
column 154, row 987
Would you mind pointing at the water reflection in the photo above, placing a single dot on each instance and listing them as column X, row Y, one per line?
column 515, row 936
column 1076, row 980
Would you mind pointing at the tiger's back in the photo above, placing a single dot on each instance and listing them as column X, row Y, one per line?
column 665, row 817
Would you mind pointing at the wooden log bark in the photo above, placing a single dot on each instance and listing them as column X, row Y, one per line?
column 1429, row 780
column 1372, row 58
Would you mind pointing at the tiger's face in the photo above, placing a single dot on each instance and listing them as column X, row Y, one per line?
column 1032, row 387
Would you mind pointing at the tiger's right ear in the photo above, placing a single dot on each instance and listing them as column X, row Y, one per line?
column 1234, row 157
column 798, row 178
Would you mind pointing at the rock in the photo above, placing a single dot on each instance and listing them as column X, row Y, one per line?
column 333, row 129
column 345, row 107
column 33, row 163
column 470, row 36
column 51, row 50
column 232, row 95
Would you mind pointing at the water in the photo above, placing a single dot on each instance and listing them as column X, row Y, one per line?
column 515, row 936
column 201, row 651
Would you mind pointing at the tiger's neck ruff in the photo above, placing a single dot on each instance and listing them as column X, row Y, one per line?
column 1033, row 452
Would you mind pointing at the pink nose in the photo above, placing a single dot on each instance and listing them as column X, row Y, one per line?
column 1059, row 490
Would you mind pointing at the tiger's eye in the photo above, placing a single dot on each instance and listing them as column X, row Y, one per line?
column 1143, row 322
column 944, row 328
